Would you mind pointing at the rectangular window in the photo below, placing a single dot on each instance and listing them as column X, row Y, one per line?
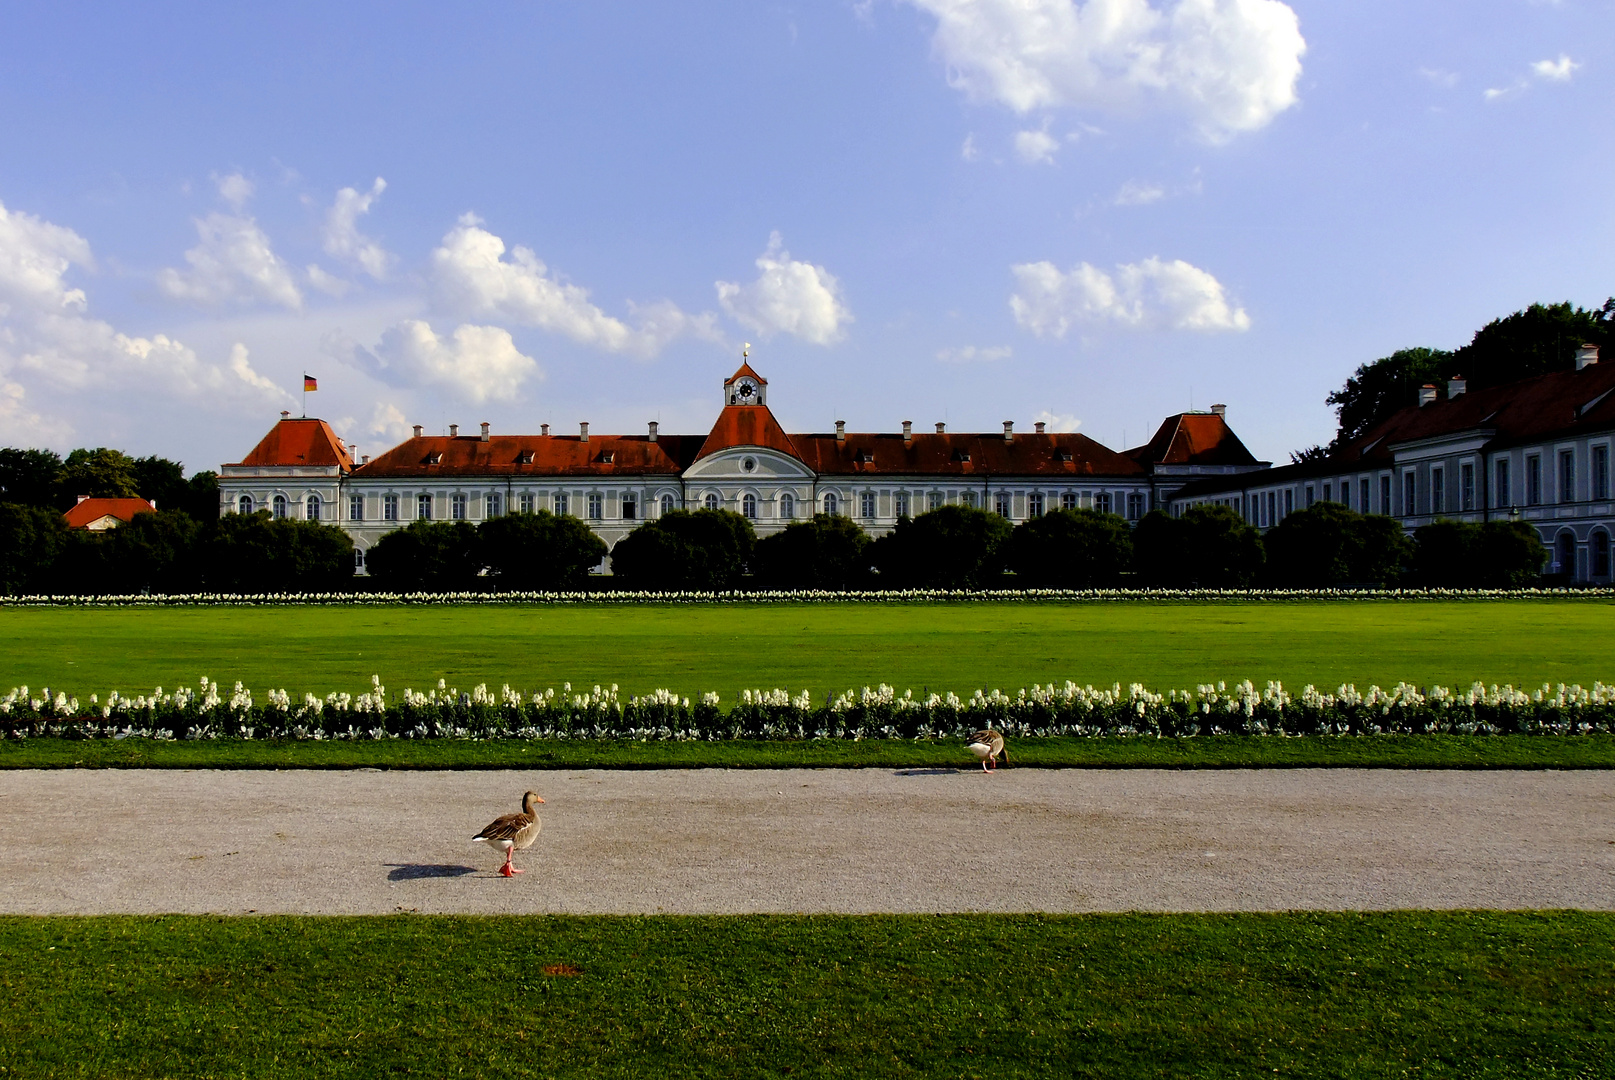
column 493, row 505
column 1502, row 494
column 1135, row 505
column 1068, row 500
column 630, row 508
column 1001, row 504
column 1385, row 495
column 1567, row 476
column 968, row 498
column 1101, row 502
column 358, row 559
column 1034, row 505
column 558, row 503
column 597, row 504
column 1329, row 492
column 1410, row 494
column 900, row 504
column 1289, row 501
column 1533, row 480
column 355, row 507
column 389, row 508
column 423, row 507
column 1466, row 486
column 933, row 501
column 1600, row 472
column 1438, row 491
column 1309, row 496
column 524, row 502
column 457, row 507
column 1271, row 519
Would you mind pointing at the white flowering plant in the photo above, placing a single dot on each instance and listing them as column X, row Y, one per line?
column 444, row 712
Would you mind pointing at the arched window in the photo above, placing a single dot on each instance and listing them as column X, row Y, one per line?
column 748, row 507
column 244, row 504
column 667, row 504
column 830, row 504
column 313, row 508
column 711, row 501
column 280, row 506
column 787, row 506
column 1565, row 553
column 1600, row 554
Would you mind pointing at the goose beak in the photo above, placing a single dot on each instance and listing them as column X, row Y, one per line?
column 537, row 799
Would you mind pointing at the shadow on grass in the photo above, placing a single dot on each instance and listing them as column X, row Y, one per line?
column 414, row 871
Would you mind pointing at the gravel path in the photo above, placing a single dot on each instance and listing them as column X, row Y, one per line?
column 721, row 841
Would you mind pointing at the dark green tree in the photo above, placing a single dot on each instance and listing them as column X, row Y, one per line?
column 32, row 540
column 28, row 477
column 1540, row 339
column 539, row 551
column 1510, row 555
column 1209, row 547
column 951, row 547
column 706, row 549
column 826, row 552
column 151, row 553
column 200, row 498
column 426, row 556
column 98, row 474
column 1071, row 549
column 256, row 553
column 1465, row 555
column 1328, row 546
column 1389, row 384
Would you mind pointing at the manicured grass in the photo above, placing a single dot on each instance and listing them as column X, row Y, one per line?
column 1458, row 994
column 822, row 648
column 1206, row 752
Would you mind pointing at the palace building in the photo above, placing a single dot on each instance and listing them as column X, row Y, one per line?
column 746, row 463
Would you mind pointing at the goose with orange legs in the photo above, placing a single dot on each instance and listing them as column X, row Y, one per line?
column 987, row 744
column 513, row 832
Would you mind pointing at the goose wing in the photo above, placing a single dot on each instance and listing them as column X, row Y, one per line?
column 505, row 828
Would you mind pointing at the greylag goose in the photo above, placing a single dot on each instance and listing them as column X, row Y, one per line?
column 987, row 744
column 513, row 832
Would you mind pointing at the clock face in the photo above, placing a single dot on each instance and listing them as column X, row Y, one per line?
column 747, row 390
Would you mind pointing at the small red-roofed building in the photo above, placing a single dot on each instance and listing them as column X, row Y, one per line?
column 99, row 515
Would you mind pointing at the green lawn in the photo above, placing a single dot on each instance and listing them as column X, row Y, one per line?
column 827, row 647
column 1461, row 994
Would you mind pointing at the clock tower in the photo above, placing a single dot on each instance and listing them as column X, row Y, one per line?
column 745, row 387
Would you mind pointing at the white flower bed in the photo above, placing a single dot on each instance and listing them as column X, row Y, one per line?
column 211, row 712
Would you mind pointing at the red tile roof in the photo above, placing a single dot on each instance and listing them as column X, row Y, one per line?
column 301, row 441
column 1194, row 439
column 747, row 425
column 89, row 510
column 963, row 455
column 534, row 455
column 745, row 370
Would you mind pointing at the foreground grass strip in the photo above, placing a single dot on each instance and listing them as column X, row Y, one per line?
column 1206, row 752
column 1460, row 994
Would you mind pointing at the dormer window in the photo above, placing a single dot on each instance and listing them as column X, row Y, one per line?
column 524, row 458
column 1063, row 455
column 606, row 457
column 863, row 457
column 961, row 455
column 435, row 458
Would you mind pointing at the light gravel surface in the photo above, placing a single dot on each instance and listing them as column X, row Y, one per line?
column 865, row 840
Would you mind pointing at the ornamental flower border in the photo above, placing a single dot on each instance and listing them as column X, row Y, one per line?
column 783, row 596
column 211, row 712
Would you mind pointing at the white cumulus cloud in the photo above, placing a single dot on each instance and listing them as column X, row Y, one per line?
column 1057, row 421
column 1558, row 70
column 1035, row 146
column 232, row 262
column 234, row 189
column 474, row 363
column 1230, row 65
column 49, row 344
column 1152, row 292
column 473, row 276
column 342, row 238
column 789, row 296
column 970, row 354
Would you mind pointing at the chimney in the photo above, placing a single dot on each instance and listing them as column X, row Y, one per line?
column 841, row 431
column 83, row 497
column 1009, row 431
column 941, row 428
column 1219, row 410
column 365, row 460
column 653, row 427
column 454, row 431
column 417, row 431
column 1427, row 394
column 285, row 414
column 583, row 430
column 543, row 429
column 908, row 432
column 485, row 431
column 1456, row 385
column 1038, row 427
column 1586, row 354
column 152, row 503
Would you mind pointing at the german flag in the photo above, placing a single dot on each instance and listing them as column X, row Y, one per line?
column 310, row 383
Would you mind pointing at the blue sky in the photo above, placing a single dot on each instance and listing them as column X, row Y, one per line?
column 966, row 210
